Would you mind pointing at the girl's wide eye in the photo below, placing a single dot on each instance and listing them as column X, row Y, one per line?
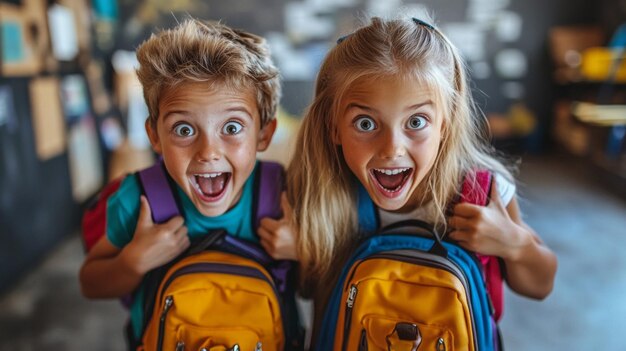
column 184, row 130
column 365, row 124
column 416, row 122
column 232, row 128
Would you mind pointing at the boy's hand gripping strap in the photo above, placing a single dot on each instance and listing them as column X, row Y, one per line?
column 158, row 192
column 270, row 183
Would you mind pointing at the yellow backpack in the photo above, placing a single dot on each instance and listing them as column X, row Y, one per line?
column 224, row 293
column 216, row 301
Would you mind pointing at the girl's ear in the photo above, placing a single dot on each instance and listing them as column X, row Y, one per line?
column 153, row 136
column 334, row 133
column 443, row 131
column 266, row 134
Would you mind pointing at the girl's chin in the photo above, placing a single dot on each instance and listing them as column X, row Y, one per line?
column 390, row 206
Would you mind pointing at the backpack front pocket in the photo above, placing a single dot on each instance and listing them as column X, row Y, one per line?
column 383, row 333
column 190, row 338
column 216, row 301
column 400, row 291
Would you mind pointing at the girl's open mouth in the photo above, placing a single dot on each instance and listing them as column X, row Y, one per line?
column 211, row 186
column 391, row 180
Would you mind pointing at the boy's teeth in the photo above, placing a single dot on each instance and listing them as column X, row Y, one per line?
column 209, row 175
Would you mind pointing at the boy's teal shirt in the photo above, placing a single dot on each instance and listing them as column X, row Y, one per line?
column 123, row 213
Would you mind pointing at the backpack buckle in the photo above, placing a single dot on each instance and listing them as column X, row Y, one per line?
column 405, row 336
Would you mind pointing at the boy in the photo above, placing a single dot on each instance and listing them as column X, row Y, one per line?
column 212, row 94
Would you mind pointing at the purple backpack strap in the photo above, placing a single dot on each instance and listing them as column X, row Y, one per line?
column 270, row 183
column 158, row 192
column 269, row 186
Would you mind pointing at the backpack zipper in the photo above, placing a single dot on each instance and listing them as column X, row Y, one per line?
column 363, row 341
column 411, row 256
column 169, row 301
column 213, row 268
column 354, row 290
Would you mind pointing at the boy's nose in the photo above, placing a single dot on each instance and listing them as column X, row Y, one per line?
column 392, row 146
column 208, row 150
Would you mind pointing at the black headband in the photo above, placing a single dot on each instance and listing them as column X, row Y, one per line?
column 417, row 21
column 422, row 23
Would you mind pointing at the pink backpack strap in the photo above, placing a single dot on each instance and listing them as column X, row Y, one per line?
column 475, row 190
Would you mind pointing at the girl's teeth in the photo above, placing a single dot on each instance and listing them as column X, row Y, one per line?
column 392, row 171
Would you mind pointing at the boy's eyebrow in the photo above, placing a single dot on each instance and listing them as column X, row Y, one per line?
column 175, row 112
column 239, row 109
column 231, row 109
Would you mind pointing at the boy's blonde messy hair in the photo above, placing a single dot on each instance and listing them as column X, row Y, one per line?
column 322, row 188
column 208, row 52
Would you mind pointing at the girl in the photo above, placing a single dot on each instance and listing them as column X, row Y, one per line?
column 393, row 111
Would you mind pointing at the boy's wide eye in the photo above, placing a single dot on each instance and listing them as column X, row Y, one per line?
column 232, row 128
column 416, row 122
column 365, row 124
column 184, row 130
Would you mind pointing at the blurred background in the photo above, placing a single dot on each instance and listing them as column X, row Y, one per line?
column 549, row 75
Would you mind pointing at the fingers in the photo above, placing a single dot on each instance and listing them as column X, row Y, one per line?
column 268, row 241
column 466, row 210
column 494, row 195
column 174, row 223
column 269, row 224
column 459, row 223
column 145, row 214
column 265, row 233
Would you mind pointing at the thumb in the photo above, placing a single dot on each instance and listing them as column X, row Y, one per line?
column 285, row 206
column 494, row 195
column 145, row 214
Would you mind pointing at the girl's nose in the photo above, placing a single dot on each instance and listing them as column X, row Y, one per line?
column 392, row 146
column 208, row 149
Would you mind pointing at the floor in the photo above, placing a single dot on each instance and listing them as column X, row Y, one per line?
column 583, row 222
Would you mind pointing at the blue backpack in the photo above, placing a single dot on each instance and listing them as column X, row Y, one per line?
column 405, row 289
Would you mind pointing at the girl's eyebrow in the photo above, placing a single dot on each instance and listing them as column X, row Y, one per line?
column 416, row 106
column 367, row 108
column 359, row 106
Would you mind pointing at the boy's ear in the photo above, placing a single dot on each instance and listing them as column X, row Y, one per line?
column 153, row 136
column 266, row 134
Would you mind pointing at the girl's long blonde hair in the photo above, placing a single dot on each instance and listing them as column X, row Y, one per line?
column 322, row 187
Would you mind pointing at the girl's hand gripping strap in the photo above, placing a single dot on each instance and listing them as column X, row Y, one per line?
column 476, row 191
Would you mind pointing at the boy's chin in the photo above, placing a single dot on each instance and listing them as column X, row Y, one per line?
column 210, row 207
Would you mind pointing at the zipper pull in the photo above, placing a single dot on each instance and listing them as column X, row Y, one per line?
column 441, row 345
column 180, row 346
column 259, row 346
column 363, row 341
column 234, row 348
column 169, row 301
column 351, row 296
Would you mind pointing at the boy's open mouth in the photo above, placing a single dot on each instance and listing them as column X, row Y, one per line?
column 391, row 180
column 211, row 185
